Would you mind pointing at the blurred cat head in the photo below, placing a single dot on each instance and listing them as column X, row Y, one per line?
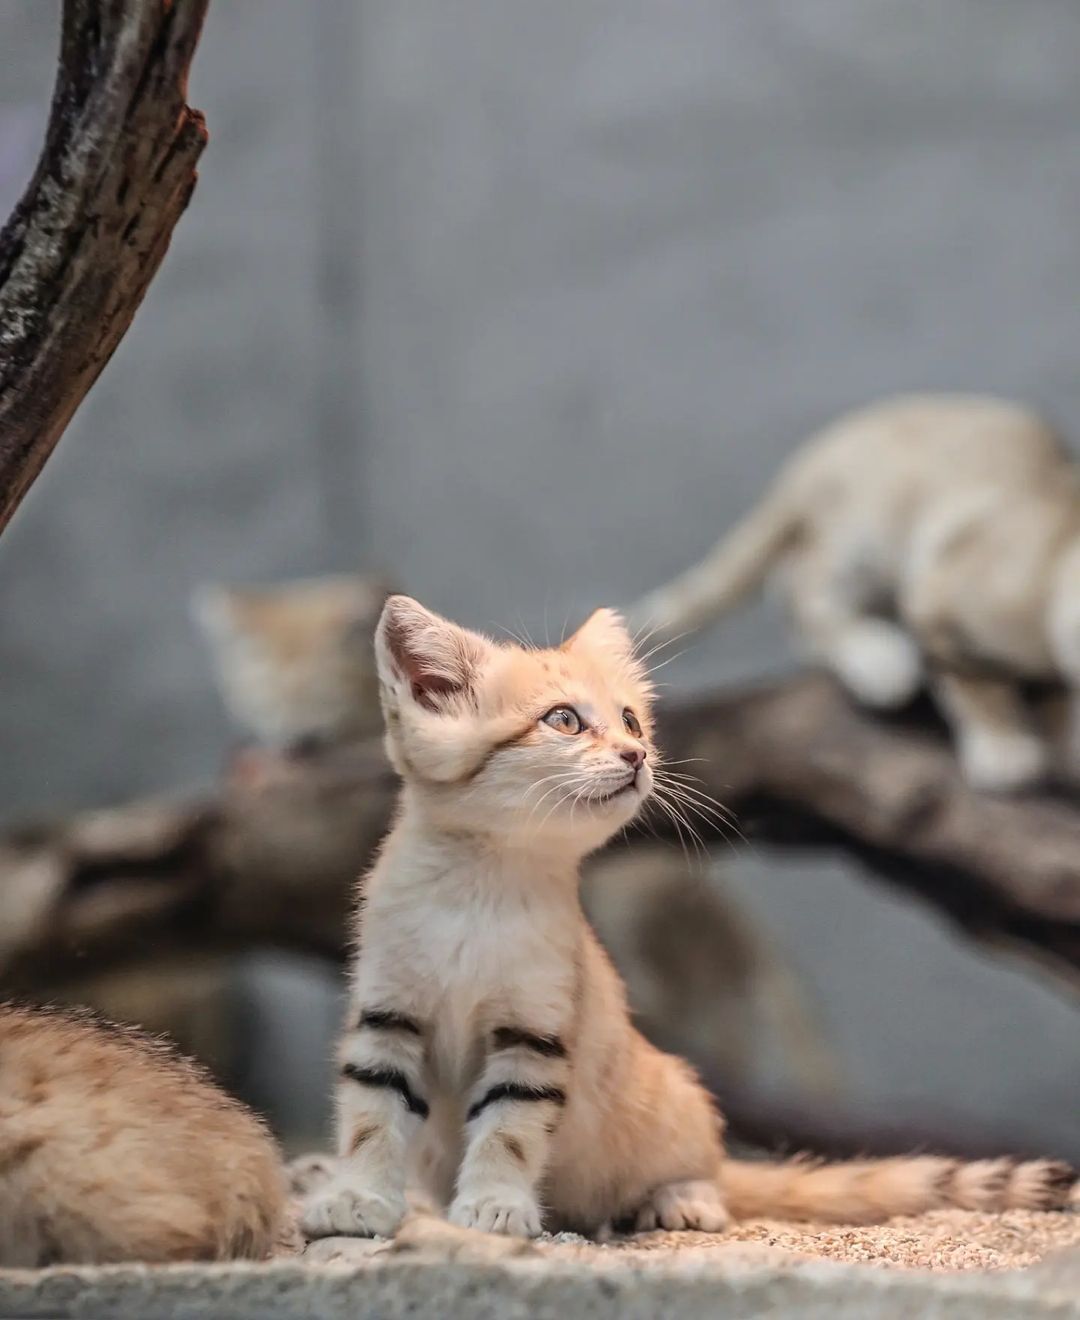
column 497, row 737
column 294, row 662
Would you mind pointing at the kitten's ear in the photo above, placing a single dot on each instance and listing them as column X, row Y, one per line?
column 425, row 655
column 604, row 633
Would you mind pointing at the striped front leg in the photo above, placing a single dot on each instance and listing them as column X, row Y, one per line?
column 380, row 1108
column 512, row 1113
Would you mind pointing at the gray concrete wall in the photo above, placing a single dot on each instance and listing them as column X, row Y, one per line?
column 526, row 301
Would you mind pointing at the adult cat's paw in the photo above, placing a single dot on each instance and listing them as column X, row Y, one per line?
column 503, row 1210
column 341, row 1209
column 696, row 1205
column 878, row 664
column 1003, row 762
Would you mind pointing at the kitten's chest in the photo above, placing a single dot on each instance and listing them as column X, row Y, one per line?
column 467, row 962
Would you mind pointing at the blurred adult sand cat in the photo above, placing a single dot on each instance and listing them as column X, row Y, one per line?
column 294, row 661
column 924, row 538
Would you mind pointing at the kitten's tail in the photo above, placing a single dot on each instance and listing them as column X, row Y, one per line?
column 736, row 566
column 870, row 1191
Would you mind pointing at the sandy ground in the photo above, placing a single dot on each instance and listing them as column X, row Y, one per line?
column 942, row 1241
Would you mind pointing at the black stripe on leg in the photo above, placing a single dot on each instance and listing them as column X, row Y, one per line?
column 384, row 1019
column 390, row 1079
column 506, row 1038
column 517, row 1091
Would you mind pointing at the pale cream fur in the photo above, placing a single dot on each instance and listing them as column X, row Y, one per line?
column 489, row 1064
column 938, row 533
column 113, row 1148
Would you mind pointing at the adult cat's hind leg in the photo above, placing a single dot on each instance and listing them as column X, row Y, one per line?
column 873, row 657
column 997, row 744
column 693, row 1204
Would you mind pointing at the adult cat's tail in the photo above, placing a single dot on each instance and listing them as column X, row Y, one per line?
column 736, row 566
column 869, row 1191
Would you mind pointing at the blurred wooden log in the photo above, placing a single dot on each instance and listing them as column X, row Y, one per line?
column 273, row 862
column 269, row 866
column 799, row 765
column 79, row 251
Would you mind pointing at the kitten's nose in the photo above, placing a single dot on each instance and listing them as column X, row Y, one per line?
column 634, row 756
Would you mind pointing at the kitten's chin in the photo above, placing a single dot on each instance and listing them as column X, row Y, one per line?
column 631, row 793
column 628, row 793
column 616, row 808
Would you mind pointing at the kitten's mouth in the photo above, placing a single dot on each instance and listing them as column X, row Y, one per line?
column 629, row 787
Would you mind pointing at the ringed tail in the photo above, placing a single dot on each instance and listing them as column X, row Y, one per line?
column 870, row 1191
column 737, row 566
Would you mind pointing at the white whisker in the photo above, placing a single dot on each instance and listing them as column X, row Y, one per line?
column 660, row 646
column 562, row 779
column 565, row 798
column 680, row 822
column 677, row 656
column 707, row 809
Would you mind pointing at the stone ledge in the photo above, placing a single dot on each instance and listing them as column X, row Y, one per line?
column 537, row 1289
column 435, row 1271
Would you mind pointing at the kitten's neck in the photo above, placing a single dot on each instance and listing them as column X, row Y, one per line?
column 426, row 848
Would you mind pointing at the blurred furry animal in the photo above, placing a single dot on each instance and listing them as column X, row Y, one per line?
column 702, row 978
column 937, row 530
column 294, row 661
column 115, row 1148
column 489, row 1062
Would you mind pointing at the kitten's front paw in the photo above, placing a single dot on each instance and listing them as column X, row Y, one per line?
column 307, row 1173
column 504, row 1210
column 1003, row 762
column 696, row 1205
column 340, row 1209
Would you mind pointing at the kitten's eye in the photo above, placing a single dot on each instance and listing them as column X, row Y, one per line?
column 565, row 719
column 630, row 720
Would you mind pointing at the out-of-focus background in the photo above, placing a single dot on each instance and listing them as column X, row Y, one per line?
column 523, row 304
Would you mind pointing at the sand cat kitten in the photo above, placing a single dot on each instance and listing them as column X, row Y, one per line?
column 937, row 530
column 278, row 649
column 114, row 1148
column 489, row 1060
column 294, row 662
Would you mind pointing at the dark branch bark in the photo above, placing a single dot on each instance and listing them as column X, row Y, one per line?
column 273, row 866
column 799, row 765
column 80, row 250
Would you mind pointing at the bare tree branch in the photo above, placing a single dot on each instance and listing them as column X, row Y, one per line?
column 271, row 866
column 80, row 249
column 800, row 765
